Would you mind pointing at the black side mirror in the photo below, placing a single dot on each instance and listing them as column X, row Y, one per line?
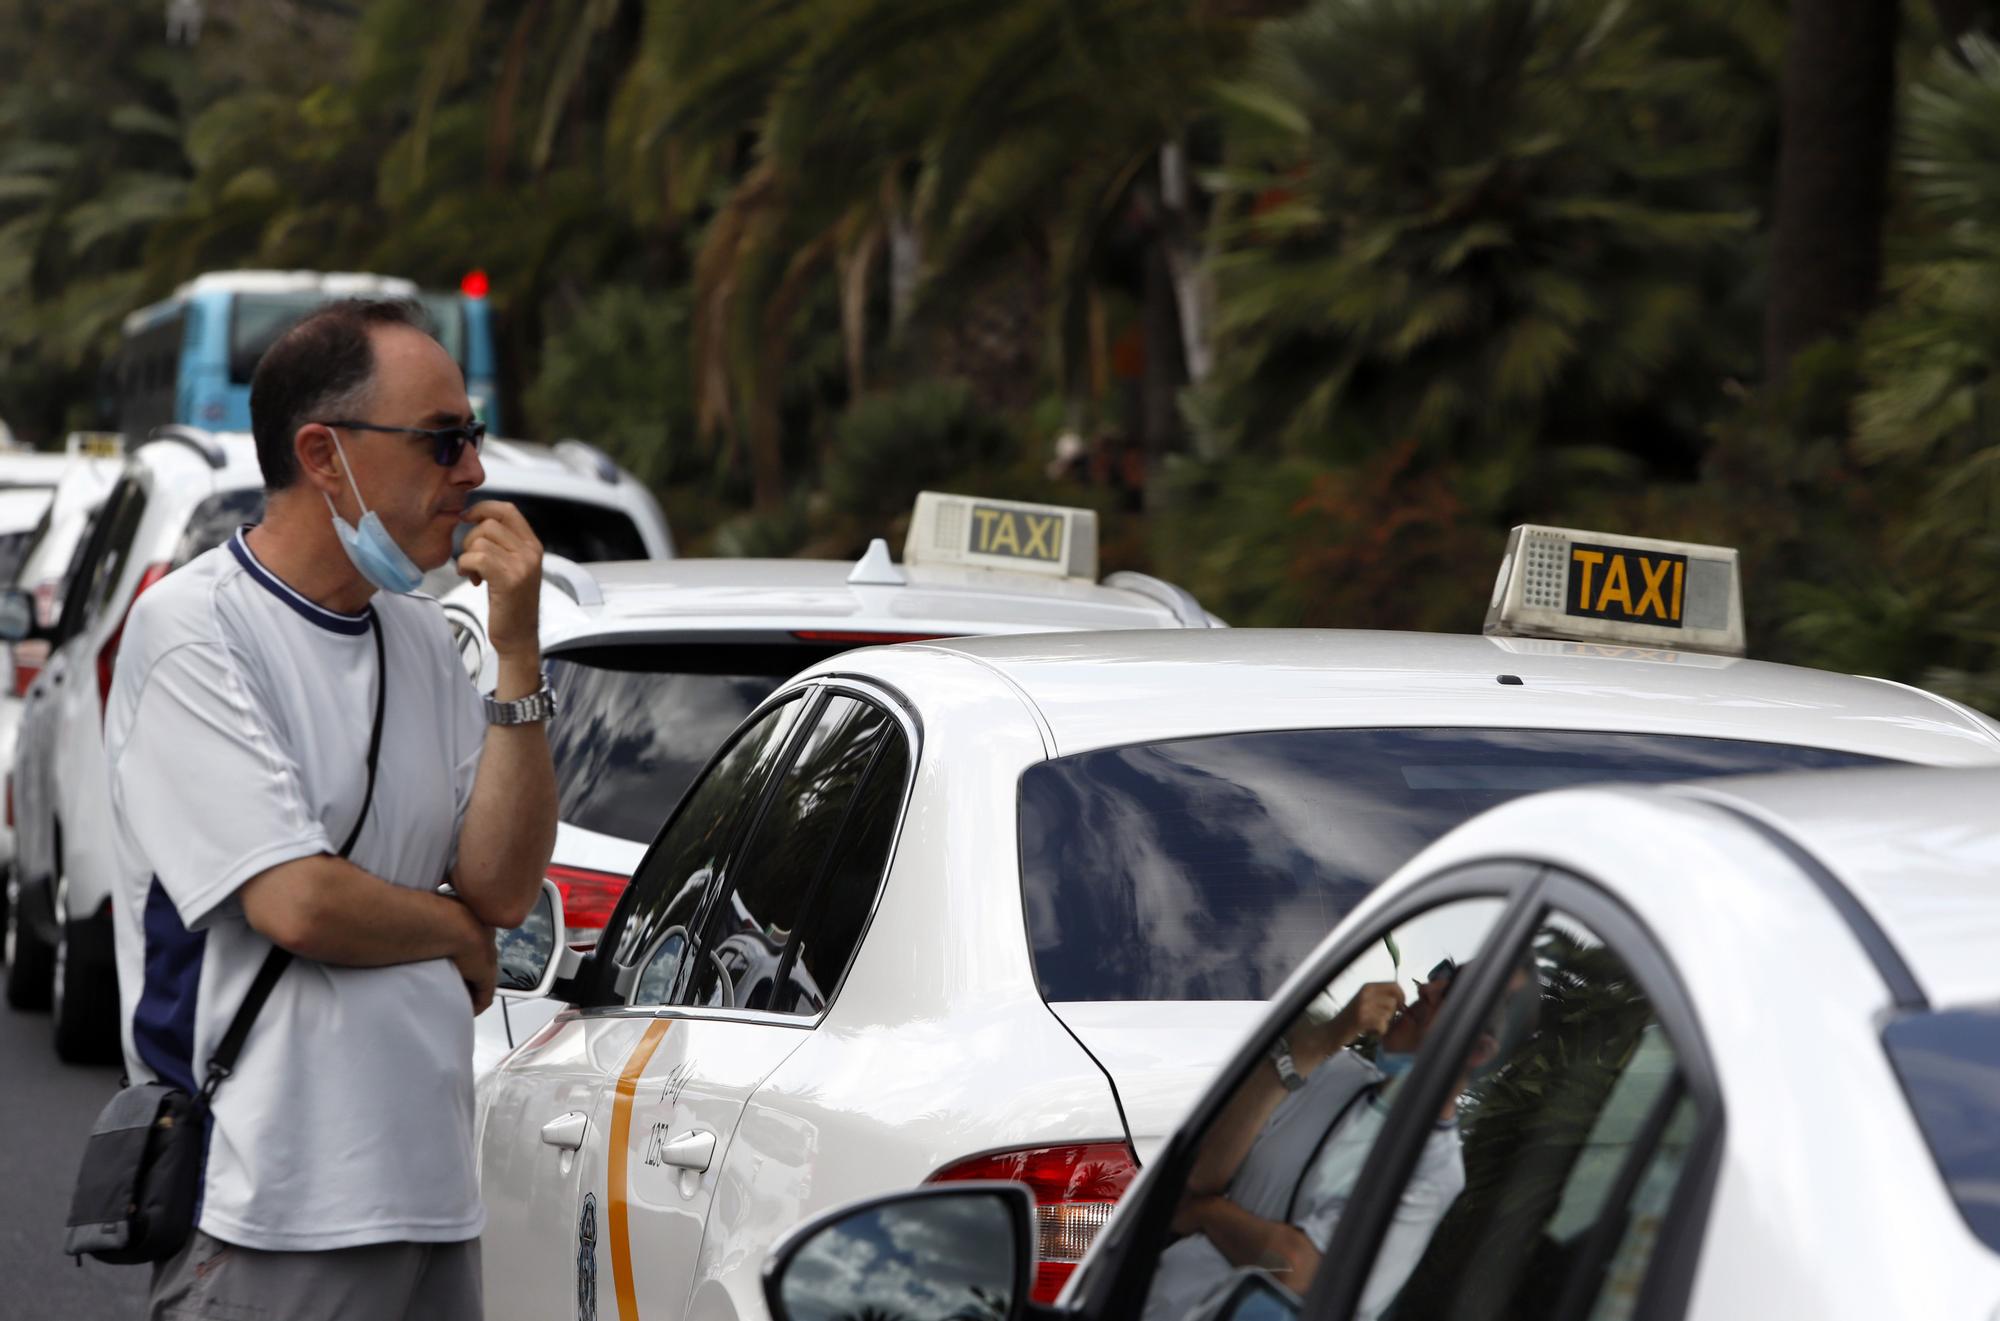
column 17, row 616
column 951, row 1252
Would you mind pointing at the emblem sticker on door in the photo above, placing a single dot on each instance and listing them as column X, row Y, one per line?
column 586, row 1260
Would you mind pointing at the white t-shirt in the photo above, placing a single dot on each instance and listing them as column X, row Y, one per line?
column 237, row 739
column 1302, row 1168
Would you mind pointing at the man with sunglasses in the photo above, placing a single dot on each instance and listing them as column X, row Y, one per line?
column 1276, row 1170
column 340, row 1177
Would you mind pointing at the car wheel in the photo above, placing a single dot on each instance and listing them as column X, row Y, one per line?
column 84, row 999
column 30, row 961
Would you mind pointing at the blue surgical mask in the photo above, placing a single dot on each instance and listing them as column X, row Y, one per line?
column 372, row 550
column 1394, row 1063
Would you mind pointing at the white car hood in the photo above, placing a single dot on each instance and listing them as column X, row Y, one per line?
column 1161, row 1054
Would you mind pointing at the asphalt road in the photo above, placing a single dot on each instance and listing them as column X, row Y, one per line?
column 46, row 1109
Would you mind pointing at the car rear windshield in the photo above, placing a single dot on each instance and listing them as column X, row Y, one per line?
column 582, row 532
column 1949, row 1064
column 216, row 519
column 635, row 724
column 1207, row 868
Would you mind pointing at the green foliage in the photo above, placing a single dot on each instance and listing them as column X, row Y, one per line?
column 1452, row 264
column 1483, row 225
column 888, row 447
column 616, row 370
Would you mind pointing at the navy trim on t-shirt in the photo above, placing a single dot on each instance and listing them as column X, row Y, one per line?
column 330, row 620
column 163, row 1020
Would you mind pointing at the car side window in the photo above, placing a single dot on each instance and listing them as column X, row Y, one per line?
column 1275, row 1168
column 121, row 528
column 748, row 957
column 1573, row 1126
column 844, row 897
column 693, row 851
column 82, row 574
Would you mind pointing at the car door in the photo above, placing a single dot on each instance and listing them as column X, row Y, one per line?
column 547, row 1112
column 780, row 922
column 1588, row 1139
column 1541, row 1152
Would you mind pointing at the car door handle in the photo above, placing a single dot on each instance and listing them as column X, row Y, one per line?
column 690, row 1151
column 566, row 1130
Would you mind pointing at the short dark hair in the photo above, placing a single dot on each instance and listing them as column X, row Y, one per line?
column 322, row 366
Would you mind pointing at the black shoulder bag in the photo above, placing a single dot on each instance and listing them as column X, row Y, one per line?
column 140, row 1183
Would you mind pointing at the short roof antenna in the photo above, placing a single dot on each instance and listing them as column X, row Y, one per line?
column 876, row 569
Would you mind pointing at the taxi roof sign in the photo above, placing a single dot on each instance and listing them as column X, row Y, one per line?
column 95, row 444
column 1605, row 587
column 1009, row 535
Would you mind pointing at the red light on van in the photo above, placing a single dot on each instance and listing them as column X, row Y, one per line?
column 1075, row 1188
column 474, row 284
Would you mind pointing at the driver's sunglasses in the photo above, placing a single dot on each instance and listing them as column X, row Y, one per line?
column 447, row 443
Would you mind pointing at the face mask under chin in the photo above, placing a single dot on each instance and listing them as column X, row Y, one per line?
column 373, row 552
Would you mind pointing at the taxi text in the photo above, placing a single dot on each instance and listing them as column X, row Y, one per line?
column 1017, row 533
column 1645, row 587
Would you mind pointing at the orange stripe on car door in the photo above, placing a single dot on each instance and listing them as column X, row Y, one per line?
column 616, row 1158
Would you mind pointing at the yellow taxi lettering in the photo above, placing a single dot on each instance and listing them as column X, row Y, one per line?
column 1002, row 537
column 1615, row 586
column 1589, row 559
column 1651, row 593
column 1044, row 536
column 982, row 532
column 1680, row 567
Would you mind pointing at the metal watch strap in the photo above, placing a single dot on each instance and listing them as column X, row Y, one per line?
column 537, row 706
column 1287, row 1067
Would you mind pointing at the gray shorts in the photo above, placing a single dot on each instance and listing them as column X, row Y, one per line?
column 209, row 1280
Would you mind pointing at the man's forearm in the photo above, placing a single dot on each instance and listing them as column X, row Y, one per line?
column 1250, row 1240
column 510, row 823
column 328, row 910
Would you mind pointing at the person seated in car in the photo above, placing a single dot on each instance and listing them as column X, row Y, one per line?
column 1275, row 1172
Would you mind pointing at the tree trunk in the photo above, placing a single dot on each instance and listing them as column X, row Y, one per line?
column 1194, row 293
column 1833, row 173
column 1163, row 376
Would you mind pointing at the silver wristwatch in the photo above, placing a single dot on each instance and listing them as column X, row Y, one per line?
column 527, row 710
column 1288, row 1070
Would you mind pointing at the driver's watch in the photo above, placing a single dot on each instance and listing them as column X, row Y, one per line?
column 1288, row 1069
column 535, row 707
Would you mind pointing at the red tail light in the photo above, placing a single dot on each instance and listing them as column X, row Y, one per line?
column 1075, row 1188
column 588, row 898
column 29, row 657
column 860, row 639
column 107, row 659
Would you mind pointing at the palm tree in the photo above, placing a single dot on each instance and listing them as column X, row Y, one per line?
column 1486, row 226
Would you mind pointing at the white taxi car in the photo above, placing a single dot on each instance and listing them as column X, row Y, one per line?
column 999, row 907
column 654, row 663
column 181, row 493
column 1725, row 1052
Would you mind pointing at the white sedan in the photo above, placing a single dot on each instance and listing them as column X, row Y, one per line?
column 1726, row 1052
column 998, row 908
column 654, row 663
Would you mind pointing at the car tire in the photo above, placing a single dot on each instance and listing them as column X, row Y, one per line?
column 84, row 996
column 30, row 959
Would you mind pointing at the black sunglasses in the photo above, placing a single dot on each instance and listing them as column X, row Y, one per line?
column 447, row 442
